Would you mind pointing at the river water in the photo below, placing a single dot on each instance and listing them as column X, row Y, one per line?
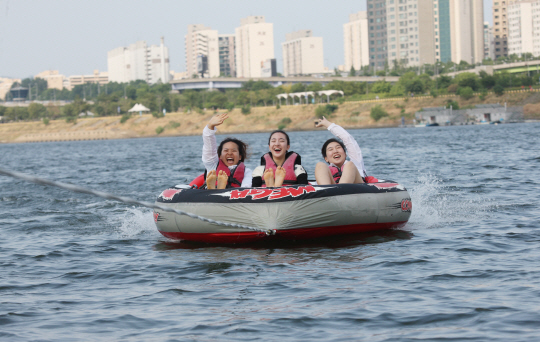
column 465, row 267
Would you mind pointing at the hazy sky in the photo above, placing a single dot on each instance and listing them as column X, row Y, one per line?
column 73, row 36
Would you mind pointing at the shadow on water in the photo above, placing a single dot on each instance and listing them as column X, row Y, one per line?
column 327, row 242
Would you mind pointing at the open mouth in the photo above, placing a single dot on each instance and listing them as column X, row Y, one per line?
column 277, row 150
column 336, row 156
column 230, row 160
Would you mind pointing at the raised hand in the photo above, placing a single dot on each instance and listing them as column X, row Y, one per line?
column 323, row 123
column 217, row 120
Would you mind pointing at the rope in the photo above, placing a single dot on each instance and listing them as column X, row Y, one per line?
column 75, row 188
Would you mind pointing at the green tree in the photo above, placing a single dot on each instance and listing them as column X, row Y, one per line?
column 498, row 90
column 377, row 113
column 466, row 93
column 352, row 72
column 36, row 111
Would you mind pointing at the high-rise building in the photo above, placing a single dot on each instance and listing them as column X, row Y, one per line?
column 443, row 41
column 254, row 45
column 401, row 32
column 202, row 51
column 356, row 41
column 302, row 54
column 139, row 62
column 520, row 27
column 378, row 54
column 500, row 28
column 227, row 66
column 467, row 30
column 488, row 41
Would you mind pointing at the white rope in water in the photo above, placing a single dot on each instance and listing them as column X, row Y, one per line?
column 127, row 200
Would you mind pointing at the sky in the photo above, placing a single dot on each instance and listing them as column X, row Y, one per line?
column 74, row 36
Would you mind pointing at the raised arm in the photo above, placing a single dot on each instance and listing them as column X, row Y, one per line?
column 210, row 157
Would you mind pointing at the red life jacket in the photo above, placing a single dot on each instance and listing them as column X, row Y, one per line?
column 235, row 177
column 288, row 165
column 336, row 173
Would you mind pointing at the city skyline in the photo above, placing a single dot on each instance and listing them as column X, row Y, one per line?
column 74, row 38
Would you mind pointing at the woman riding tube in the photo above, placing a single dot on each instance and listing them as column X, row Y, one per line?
column 279, row 166
column 224, row 165
column 337, row 168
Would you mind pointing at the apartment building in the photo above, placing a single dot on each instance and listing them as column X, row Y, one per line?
column 227, row 52
column 467, row 30
column 254, row 45
column 356, row 41
column 520, row 27
column 488, row 41
column 202, row 51
column 401, row 31
column 139, row 62
column 97, row 77
column 53, row 78
column 302, row 54
column 500, row 28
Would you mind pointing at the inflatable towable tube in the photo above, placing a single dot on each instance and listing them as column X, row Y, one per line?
column 294, row 212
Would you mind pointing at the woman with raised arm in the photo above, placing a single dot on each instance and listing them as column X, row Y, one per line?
column 224, row 164
column 279, row 166
column 337, row 168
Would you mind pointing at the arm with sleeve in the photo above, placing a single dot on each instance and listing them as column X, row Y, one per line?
column 210, row 157
column 353, row 149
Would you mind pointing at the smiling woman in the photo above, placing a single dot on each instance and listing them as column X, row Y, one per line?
column 279, row 166
column 224, row 165
column 334, row 152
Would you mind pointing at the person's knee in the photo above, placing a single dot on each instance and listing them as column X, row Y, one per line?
column 321, row 166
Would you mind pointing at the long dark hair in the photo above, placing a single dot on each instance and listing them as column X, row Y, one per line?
column 279, row 131
column 242, row 147
column 323, row 151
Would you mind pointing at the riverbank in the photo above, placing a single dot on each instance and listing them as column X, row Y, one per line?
column 261, row 119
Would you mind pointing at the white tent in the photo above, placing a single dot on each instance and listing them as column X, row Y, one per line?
column 139, row 108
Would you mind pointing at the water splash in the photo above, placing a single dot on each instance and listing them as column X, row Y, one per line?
column 436, row 204
column 135, row 223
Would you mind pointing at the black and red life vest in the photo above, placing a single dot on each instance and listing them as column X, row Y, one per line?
column 337, row 172
column 235, row 177
column 288, row 165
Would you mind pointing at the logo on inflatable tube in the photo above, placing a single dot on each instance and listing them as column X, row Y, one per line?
column 406, row 205
column 271, row 194
column 169, row 193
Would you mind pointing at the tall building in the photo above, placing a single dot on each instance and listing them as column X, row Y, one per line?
column 254, row 46
column 401, row 32
column 202, row 51
column 467, row 30
column 356, row 41
column 443, row 41
column 227, row 51
column 500, row 28
column 302, row 54
column 139, row 62
column 378, row 54
column 520, row 27
column 488, row 41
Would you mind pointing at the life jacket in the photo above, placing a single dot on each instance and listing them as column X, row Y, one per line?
column 288, row 165
column 235, row 177
column 337, row 172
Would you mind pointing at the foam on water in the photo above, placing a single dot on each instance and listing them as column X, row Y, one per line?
column 135, row 223
column 435, row 204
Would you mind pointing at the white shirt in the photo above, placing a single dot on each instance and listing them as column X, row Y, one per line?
column 353, row 150
column 210, row 157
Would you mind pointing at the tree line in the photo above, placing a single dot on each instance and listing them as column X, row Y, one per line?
column 117, row 98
